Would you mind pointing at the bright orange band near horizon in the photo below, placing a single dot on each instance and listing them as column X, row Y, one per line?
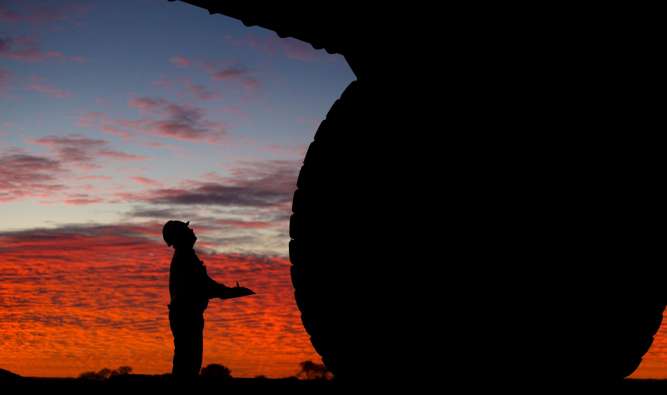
column 85, row 298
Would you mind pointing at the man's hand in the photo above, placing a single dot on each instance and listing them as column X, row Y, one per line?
column 243, row 291
column 238, row 291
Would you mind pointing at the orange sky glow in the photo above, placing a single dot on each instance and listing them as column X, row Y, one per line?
column 95, row 297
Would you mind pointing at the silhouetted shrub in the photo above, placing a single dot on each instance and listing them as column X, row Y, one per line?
column 216, row 371
column 313, row 371
column 106, row 373
column 122, row 371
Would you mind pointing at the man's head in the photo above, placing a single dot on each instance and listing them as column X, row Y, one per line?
column 178, row 234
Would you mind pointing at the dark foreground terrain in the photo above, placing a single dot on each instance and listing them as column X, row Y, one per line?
column 146, row 384
column 163, row 384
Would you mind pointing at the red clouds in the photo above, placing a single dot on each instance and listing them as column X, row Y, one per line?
column 68, row 294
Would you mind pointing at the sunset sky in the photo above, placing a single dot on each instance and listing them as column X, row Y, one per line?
column 116, row 117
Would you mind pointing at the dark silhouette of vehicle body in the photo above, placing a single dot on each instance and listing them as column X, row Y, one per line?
column 485, row 192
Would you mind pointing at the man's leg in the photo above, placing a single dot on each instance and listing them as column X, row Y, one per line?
column 188, row 344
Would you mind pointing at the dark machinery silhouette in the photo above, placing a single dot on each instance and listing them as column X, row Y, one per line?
column 510, row 161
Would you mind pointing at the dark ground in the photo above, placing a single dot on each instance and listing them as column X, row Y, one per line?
column 163, row 384
column 130, row 384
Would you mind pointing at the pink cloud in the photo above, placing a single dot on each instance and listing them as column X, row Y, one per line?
column 160, row 118
column 82, row 199
column 119, row 155
column 145, row 181
column 164, row 82
column 4, row 80
column 147, row 104
column 27, row 49
column 42, row 87
column 178, row 121
column 117, row 127
column 185, row 85
column 13, row 11
column 267, row 184
column 227, row 73
column 233, row 73
column 95, row 178
column 201, row 92
column 180, row 61
column 82, row 151
column 216, row 71
column 244, row 224
column 23, row 175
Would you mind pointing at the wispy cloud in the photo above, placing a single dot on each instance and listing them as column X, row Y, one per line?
column 119, row 155
column 227, row 73
column 82, row 199
column 38, row 85
column 178, row 121
column 243, row 224
column 180, row 61
column 82, row 151
column 160, row 117
column 23, row 175
column 186, row 87
column 232, row 73
column 4, row 81
column 145, row 181
column 262, row 185
column 201, row 92
column 14, row 11
column 217, row 71
column 28, row 49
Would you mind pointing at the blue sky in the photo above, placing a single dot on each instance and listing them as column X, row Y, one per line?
column 116, row 116
column 80, row 69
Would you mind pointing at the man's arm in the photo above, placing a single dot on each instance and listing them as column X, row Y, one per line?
column 217, row 290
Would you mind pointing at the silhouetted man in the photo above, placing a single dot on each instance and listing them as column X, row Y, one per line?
column 190, row 288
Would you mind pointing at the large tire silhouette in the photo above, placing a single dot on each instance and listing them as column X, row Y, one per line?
column 549, row 165
column 328, row 271
column 348, row 240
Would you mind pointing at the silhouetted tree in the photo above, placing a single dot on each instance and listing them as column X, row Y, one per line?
column 313, row 371
column 106, row 373
column 216, row 371
column 122, row 371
